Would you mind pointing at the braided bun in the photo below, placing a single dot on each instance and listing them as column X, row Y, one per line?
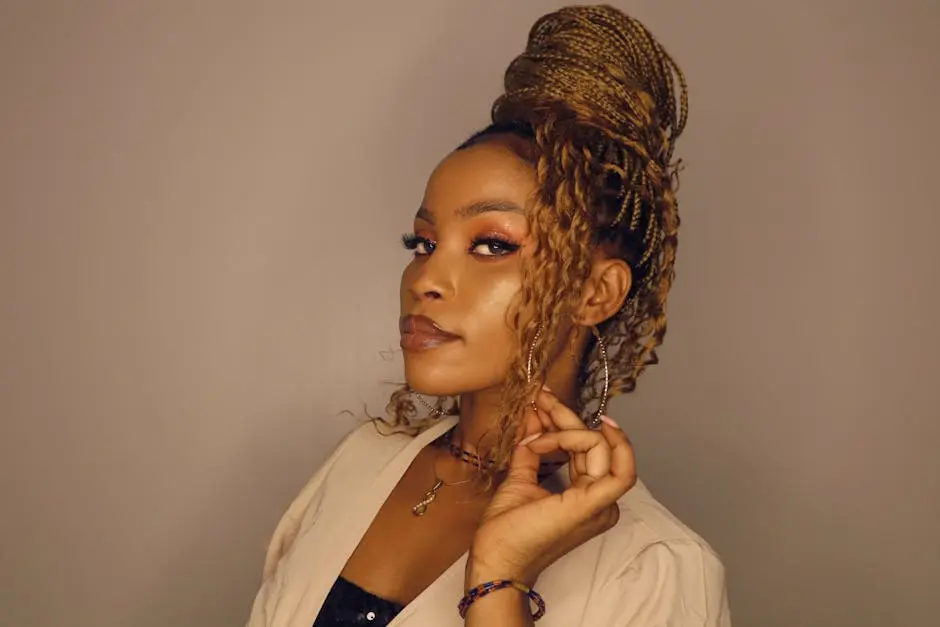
column 605, row 104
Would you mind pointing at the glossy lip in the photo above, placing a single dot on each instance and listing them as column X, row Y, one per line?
column 421, row 333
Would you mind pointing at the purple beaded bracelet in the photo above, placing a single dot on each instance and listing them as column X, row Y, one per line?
column 485, row 588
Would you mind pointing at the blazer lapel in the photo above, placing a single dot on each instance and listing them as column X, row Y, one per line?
column 327, row 548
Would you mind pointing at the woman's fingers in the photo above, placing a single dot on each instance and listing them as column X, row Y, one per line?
column 544, row 418
column 611, row 467
column 562, row 418
column 524, row 462
column 590, row 444
column 560, row 414
column 622, row 474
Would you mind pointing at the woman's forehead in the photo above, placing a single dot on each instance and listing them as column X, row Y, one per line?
column 487, row 173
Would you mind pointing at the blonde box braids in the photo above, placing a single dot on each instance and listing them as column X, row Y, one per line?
column 602, row 103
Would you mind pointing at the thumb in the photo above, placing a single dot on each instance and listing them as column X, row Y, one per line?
column 524, row 463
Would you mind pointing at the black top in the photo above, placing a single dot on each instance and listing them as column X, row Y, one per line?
column 348, row 605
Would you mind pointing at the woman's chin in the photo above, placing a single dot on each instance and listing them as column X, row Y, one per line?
column 431, row 387
column 433, row 381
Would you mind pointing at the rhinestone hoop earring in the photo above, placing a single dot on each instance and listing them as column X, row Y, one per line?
column 602, row 405
column 528, row 363
column 595, row 420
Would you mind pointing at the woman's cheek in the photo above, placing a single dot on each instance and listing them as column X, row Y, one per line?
column 498, row 287
column 491, row 311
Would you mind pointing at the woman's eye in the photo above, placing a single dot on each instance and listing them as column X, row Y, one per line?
column 493, row 247
column 421, row 246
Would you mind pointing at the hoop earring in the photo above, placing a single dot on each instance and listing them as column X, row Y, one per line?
column 595, row 420
column 602, row 405
column 528, row 363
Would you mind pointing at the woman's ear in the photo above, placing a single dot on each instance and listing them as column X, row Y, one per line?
column 605, row 291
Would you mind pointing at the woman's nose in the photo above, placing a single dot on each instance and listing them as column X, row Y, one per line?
column 434, row 281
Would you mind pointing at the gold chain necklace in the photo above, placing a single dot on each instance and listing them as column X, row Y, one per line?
column 421, row 507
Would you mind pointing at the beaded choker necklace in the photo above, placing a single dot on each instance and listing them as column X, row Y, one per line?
column 475, row 460
column 421, row 507
column 465, row 455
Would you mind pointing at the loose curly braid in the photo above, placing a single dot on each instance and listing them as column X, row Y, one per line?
column 601, row 103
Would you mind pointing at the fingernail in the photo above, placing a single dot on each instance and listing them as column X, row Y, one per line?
column 547, row 389
column 610, row 421
column 529, row 438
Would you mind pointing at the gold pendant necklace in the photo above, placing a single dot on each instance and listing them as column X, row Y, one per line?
column 421, row 507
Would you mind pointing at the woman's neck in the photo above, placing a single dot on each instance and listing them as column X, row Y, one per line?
column 479, row 415
column 480, row 412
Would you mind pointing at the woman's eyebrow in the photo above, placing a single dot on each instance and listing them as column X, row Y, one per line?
column 474, row 209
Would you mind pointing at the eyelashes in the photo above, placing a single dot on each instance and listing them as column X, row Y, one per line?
column 419, row 245
column 494, row 246
column 487, row 246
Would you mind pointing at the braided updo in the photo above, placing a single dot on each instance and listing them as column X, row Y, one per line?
column 602, row 104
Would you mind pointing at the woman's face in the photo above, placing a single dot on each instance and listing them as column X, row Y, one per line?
column 470, row 235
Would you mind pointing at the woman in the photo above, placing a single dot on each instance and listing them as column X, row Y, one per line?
column 543, row 255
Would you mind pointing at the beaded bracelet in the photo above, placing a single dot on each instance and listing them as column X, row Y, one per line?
column 485, row 588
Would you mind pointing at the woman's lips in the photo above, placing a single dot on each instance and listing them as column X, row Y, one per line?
column 421, row 333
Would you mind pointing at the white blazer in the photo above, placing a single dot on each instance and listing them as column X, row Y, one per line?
column 650, row 570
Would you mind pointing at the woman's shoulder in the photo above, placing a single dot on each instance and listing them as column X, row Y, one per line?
column 371, row 444
column 649, row 569
column 648, row 532
column 646, row 521
column 377, row 436
column 372, row 434
column 668, row 570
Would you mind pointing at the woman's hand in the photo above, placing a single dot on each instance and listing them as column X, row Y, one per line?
column 526, row 528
